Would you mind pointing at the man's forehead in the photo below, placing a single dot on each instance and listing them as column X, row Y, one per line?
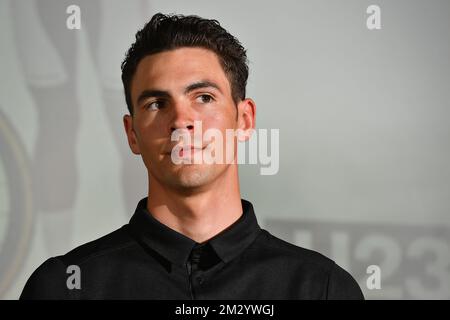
column 176, row 69
column 180, row 59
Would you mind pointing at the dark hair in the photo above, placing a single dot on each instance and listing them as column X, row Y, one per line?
column 167, row 32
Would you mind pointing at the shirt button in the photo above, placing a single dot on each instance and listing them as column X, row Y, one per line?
column 200, row 280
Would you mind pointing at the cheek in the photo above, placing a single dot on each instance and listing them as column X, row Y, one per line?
column 215, row 123
column 222, row 118
column 222, row 123
column 148, row 136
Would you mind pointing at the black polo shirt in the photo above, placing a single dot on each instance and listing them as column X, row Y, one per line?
column 145, row 259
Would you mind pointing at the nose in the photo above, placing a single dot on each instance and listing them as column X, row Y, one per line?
column 182, row 117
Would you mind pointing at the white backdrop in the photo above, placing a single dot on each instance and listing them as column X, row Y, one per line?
column 363, row 116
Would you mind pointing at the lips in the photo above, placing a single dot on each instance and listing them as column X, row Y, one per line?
column 185, row 149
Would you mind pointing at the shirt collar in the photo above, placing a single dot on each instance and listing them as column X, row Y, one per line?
column 177, row 247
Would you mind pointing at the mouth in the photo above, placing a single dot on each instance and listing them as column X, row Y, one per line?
column 187, row 151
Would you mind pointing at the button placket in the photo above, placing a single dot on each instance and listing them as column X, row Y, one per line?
column 193, row 263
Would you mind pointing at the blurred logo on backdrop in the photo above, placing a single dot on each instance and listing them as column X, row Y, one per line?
column 413, row 262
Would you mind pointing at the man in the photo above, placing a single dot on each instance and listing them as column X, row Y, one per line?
column 193, row 237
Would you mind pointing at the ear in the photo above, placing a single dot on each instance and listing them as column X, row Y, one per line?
column 131, row 134
column 246, row 118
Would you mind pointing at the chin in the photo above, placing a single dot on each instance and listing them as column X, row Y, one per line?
column 197, row 178
column 191, row 176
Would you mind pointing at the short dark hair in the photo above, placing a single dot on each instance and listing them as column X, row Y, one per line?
column 168, row 32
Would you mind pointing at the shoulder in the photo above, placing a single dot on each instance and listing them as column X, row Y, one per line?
column 338, row 283
column 277, row 248
column 48, row 281
column 108, row 245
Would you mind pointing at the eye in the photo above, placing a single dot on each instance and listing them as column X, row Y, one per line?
column 205, row 98
column 155, row 105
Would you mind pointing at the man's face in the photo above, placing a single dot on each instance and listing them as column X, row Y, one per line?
column 169, row 91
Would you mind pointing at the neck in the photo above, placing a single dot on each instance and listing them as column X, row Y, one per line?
column 197, row 214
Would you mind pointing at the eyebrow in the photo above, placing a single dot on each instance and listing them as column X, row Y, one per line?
column 149, row 93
